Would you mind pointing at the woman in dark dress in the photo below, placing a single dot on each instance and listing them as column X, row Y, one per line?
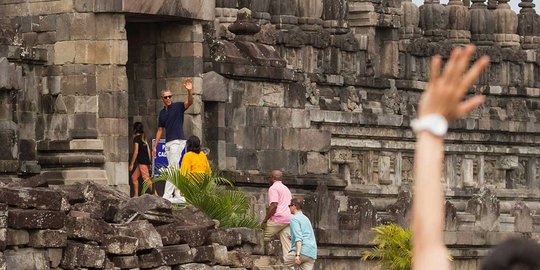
column 141, row 155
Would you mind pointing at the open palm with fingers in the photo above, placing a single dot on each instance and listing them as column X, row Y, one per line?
column 445, row 91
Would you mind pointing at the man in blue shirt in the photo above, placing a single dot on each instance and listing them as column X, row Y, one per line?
column 171, row 118
column 304, row 246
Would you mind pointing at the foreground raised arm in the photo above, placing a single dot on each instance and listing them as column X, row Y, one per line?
column 442, row 101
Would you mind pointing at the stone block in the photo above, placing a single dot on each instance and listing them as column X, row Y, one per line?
column 78, row 255
column 31, row 198
column 84, row 5
column 147, row 235
column 113, row 126
column 184, row 66
column 181, row 33
column 295, row 96
column 64, row 52
column 125, row 262
column 3, row 238
column 271, row 138
column 300, row 118
column 152, row 259
column 110, row 26
column 78, row 85
column 55, row 256
column 246, row 159
column 48, row 238
column 315, row 140
column 240, row 258
column 214, row 87
column 111, row 78
column 26, row 258
column 192, row 266
column 317, row 163
column 174, row 234
column 212, row 254
column 111, row 52
column 35, row 219
column 183, row 49
column 120, row 245
column 225, row 237
column 113, row 104
column 87, row 229
column 17, row 237
column 178, row 254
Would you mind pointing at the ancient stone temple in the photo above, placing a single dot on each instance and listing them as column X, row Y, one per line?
column 321, row 89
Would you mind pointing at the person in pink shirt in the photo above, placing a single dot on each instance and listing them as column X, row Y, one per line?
column 278, row 216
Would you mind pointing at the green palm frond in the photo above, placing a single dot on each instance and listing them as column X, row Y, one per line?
column 393, row 247
column 213, row 194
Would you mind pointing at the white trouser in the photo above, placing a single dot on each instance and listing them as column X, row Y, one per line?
column 173, row 149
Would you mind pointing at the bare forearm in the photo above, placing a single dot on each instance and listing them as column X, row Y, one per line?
column 270, row 211
column 158, row 136
column 133, row 158
column 298, row 247
column 428, row 206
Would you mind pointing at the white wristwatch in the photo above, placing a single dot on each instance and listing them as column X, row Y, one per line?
column 435, row 124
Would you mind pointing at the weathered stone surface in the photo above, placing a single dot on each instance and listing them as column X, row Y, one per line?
column 120, row 245
column 192, row 266
column 124, row 262
column 173, row 234
column 17, row 237
column 26, row 258
column 31, row 198
column 48, row 238
column 225, row 237
column 55, row 256
column 485, row 206
column 154, row 258
column 177, row 254
column 155, row 209
column 87, row 228
column 147, row 235
column 35, row 219
column 239, row 258
column 212, row 254
column 215, row 87
column 81, row 255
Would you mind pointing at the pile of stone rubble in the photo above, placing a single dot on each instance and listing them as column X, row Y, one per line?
column 89, row 226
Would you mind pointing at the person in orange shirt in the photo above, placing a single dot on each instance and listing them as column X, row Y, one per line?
column 194, row 160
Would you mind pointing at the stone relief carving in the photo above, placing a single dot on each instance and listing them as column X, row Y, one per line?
column 312, row 92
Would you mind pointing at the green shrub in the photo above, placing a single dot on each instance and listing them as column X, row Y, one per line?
column 213, row 194
column 392, row 247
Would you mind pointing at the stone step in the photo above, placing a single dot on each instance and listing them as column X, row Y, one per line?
column 78, row 175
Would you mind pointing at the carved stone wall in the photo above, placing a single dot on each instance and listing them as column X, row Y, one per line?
column 323, row 90
column 337, row 114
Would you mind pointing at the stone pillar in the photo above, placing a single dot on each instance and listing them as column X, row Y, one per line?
column 506, row 24
column 459, row 21
column 335, row 16
column 434, row 20
column 112, row 96
column 283, row 13
column 259, row 9
column 529, row 25
column 482, row 22
column 409, row 20
column 10, row 83
column 309, row 14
